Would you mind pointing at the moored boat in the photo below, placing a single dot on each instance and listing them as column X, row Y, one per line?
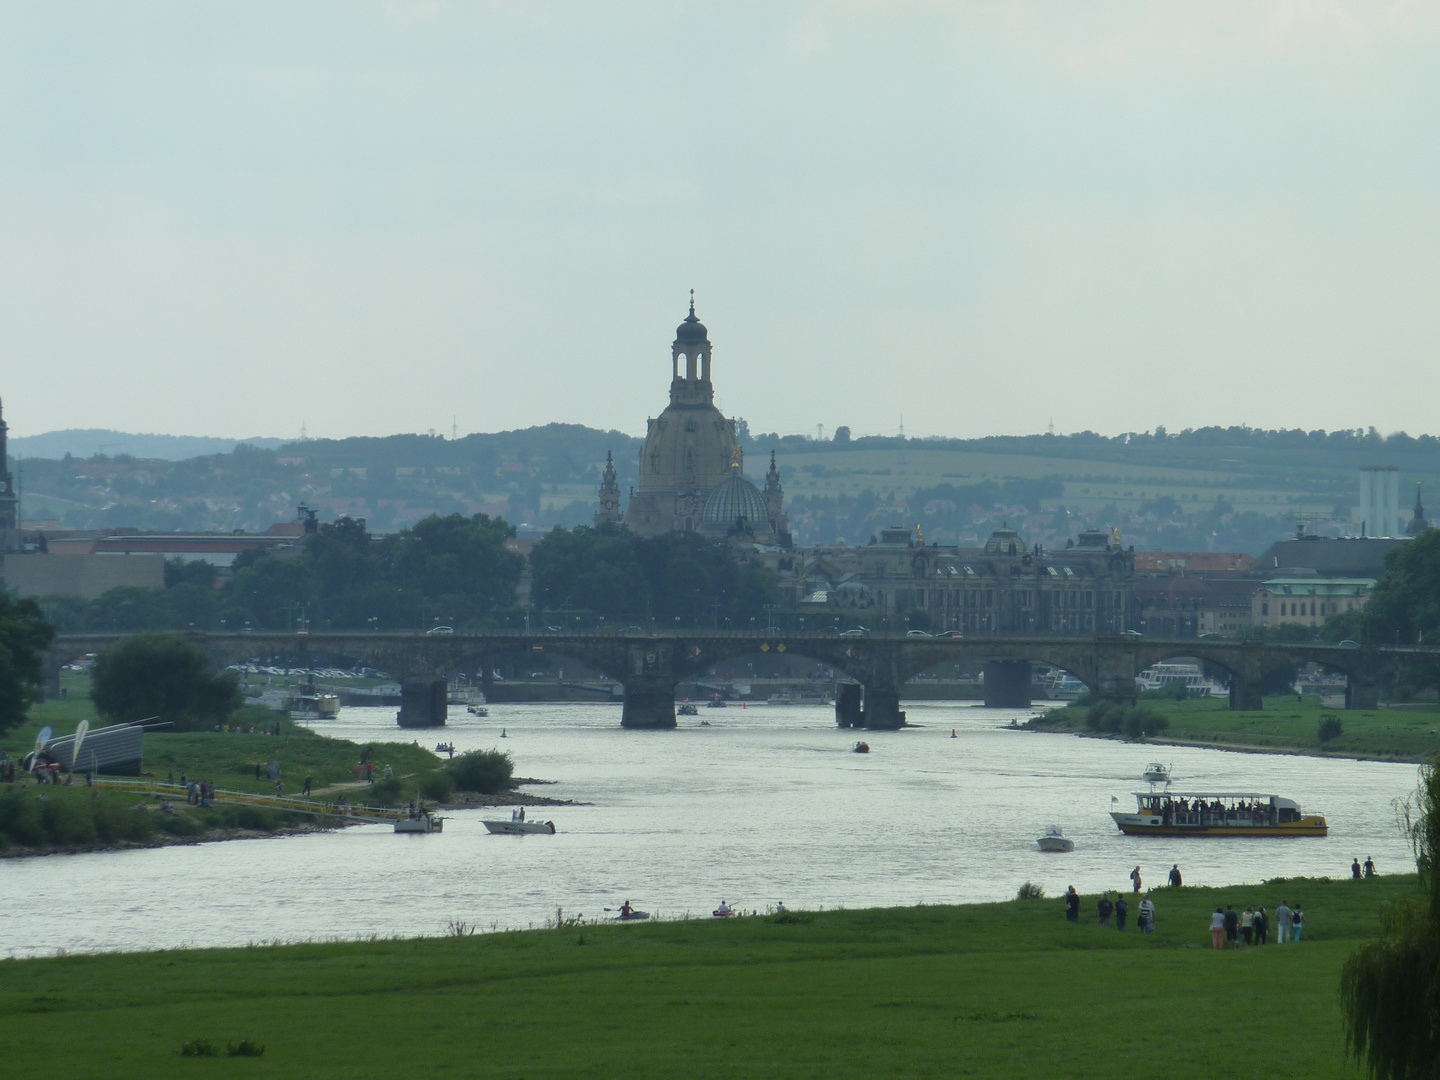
column 421, row 823
column 1055, row 840
column 1164, row 813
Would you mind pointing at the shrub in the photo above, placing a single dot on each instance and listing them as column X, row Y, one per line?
column 1095, row 718
column 1031, row 891
column 485, row 771
column 436, row 785
column 245, row 1048
column 1138, row 722
column 385, row 792
column 197, row 1048
column 1331, row 727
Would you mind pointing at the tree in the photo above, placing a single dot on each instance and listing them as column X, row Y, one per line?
column 165, row 676
column 842, row 434
column 1390, row 989
column 24, row 637
column 1405, row 603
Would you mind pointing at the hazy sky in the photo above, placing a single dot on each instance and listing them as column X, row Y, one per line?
column 231, row 219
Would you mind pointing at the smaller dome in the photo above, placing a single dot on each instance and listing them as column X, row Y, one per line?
column 733, row 498
column 692, row 331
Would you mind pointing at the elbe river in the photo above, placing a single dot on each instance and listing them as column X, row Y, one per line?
column 765, row 804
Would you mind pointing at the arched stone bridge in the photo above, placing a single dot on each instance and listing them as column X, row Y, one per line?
column 650, row 665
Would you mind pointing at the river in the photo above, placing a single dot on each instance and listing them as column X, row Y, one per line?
column 764, row 804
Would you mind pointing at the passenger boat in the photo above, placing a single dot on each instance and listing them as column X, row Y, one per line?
column 520, row 827
column 312, row 704
column 1171, row 813
column 1055, row 840
column 423, row 823
column 1166, row 676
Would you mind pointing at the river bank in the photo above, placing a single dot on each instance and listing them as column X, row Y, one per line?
column 1004, row 989
column 1286, row 725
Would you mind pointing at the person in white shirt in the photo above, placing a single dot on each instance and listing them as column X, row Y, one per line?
column 1147, row 915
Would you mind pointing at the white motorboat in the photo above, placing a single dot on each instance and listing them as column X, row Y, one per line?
column 477, row 710
column 424, row 823
column 1055, row 840
column 519, row 827
column 1155, row 773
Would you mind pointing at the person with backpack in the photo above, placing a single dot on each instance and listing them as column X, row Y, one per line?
column 1104, row 908
column 1121, row 910
column 1072, row 905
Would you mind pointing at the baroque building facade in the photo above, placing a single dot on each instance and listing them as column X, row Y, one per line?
column 692, row 467
column 1006, row 587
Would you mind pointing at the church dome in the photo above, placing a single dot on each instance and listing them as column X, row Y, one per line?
column 692, row 331
column 735, row 497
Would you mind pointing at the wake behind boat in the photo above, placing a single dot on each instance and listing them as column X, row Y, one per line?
column 1160, row 813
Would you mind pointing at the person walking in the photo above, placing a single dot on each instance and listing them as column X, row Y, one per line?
column 1369, row 867
column 1297, row 923
column 1217, row 929
column 1232, row 926
column 1355, row 869
column 1135, row 879
column 1175, row 876
column 308, row 781
column 1147, row 915
column 1122, row 908
column 1283, row 916
column 1104, row 908
column 1072, row 905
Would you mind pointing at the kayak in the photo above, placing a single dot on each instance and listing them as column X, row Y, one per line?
column 634, row 916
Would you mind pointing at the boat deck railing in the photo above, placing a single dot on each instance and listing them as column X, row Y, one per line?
column 324, row 807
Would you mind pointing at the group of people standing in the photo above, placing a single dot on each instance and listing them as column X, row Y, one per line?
column 1237, row 929
column 1119, row 908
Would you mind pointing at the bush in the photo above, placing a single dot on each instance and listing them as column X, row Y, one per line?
column 1136, row 723
column 385, row 792
column 1031, row 891
column 1095, row 717
column 436, row 785
column 1331, row 727
column 163, row 675
column 485, row 771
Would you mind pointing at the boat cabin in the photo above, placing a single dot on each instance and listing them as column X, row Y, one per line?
column 1207, row 810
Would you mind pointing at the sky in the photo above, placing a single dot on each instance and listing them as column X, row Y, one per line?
column 363, row 218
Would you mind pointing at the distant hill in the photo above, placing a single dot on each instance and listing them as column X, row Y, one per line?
column 86, row 442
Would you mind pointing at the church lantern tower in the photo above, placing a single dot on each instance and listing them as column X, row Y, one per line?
column 775, row 500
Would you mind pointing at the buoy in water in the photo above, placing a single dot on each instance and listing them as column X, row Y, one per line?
column 502, row 733
column 952, row 734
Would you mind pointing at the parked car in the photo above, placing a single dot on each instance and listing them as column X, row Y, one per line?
column 952, row 634
column 917, row 633
column 858, row 631
column 1348, row 644
column 441, row 630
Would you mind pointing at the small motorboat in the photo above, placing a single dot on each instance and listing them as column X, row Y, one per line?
column 477, row 710
column 715, row 703
column 1155, row 773
column 1055, row 840
column 519, row 827
column 724, row 911
column 686, row 709
column 862, row 748
column 421, row 823
column 445, row 748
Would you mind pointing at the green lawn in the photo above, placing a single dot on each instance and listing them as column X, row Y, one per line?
column 228, row 759
column 999, row 990
column 1285, row 724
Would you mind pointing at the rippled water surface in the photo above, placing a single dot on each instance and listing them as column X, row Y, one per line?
column 765, row 804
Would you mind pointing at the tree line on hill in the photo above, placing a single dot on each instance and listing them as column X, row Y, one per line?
column 445, row 570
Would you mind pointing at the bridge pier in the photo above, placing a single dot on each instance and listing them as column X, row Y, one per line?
column 1361, row 695
column 1007, row 684
column 848, row 712
column 649, row 702
column 882, row 710
column 423, row 703
column 1246, row 696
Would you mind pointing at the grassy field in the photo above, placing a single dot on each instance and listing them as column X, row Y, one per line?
column 228, row 759
column 1288, row 724
column 998, row 990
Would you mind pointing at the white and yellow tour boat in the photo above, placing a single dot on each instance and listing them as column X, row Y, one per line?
column 1176, row 813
